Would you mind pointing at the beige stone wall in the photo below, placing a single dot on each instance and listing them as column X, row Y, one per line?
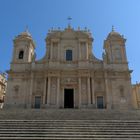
column 88, row 76
column 3, row 85
column 136, row 95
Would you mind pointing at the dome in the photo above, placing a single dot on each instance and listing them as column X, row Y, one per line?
column 25, row 33
column 114, row 34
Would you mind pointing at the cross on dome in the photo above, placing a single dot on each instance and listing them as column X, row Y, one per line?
column 113, row 28
column 69, row 21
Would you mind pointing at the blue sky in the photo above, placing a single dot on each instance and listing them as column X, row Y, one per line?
column 97, row 15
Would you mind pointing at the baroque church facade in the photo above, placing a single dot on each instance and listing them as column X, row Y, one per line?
column 69, row 75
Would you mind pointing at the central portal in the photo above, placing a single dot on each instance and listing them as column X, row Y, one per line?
column 68, row 98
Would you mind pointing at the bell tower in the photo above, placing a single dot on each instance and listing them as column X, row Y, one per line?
column 23, row 48
column 114, row 47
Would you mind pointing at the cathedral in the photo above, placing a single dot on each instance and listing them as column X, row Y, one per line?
column 69, row 75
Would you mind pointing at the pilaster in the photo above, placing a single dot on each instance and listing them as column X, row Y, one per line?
column 79, row 51
column 58, row 90
column 51, row 49
column 48, row 93
column 79, row 81
column 58, row 55
column 88, row 91
column 87, row 50
column 31, row 91
column 44, row 93
column 108, row 95
column 93, row 91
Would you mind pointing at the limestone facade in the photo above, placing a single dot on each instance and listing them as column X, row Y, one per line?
column 3, row 84
column 69, row 75
column 136, row 95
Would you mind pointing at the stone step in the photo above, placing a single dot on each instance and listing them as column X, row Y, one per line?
column 70, row 121
column 24, row 133
column 49, row 125
column 64, row 130
column 53, row 129
column 72, row 128
column 54, row 138
column 69, row 114
column 69, row 125
column 76, row 121
column 69, row 130
column 70, row 136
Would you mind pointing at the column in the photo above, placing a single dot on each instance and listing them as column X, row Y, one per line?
column 124, row 54
column 15, row 55
column 44, row 93
column 88, row 90
column 58, row 51
column 48, row 93
column 58, row 90
column 79, row 80
column 136, row 95
column 51, row 50
column 86, row 50
column 93, row 94
column 108, row 98
column 26, row 92
column 79, row 51
column 31, row 90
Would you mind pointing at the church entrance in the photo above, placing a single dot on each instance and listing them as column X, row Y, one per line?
column 68, row 98
column 100, row 103
column 37, row 101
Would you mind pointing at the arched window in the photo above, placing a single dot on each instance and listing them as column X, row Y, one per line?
column 21, row 54
column 68, row 55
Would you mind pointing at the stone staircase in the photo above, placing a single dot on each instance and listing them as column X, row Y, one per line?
column 69, row 125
